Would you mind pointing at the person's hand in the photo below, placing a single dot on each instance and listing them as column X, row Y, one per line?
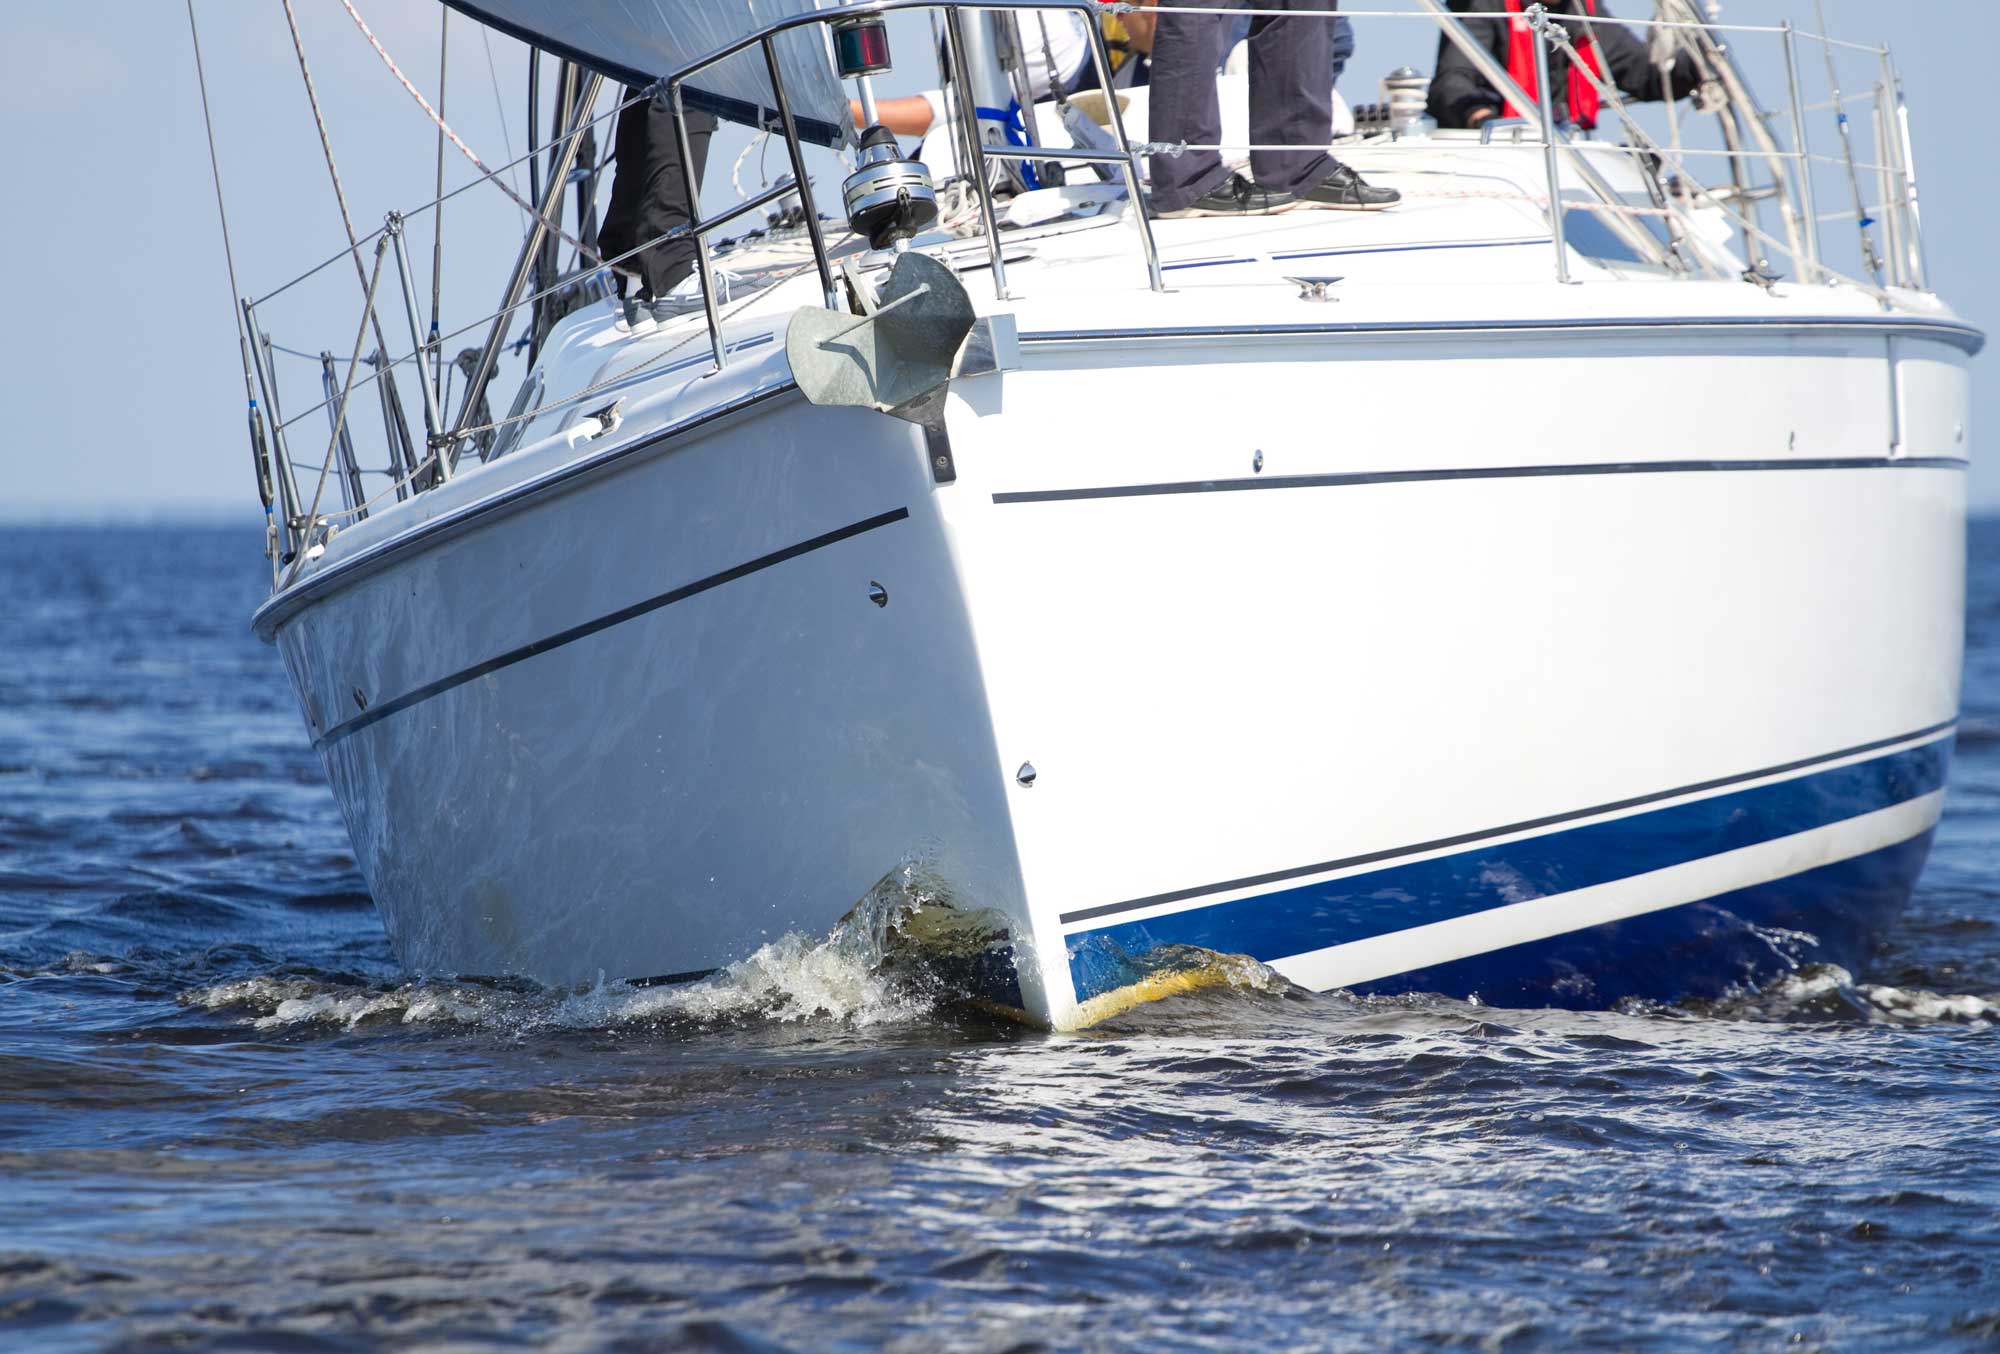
column 1479, row 115
column 1139, row 30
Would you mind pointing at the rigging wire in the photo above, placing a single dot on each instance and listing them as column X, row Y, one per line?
column 340, row 196
column 533, row 212
column 235, row 306
column 420, row 209
column 437, row 220
column 499, row 105
column 215, row 172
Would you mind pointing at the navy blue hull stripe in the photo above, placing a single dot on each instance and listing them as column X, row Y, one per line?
column 1358, row 907
column 1828, row 915
column 1506, row 830
column 403, row 702
column 1484, row 472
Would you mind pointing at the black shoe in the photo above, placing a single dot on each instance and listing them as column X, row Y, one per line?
column 1345, row 190
column 1236, row 196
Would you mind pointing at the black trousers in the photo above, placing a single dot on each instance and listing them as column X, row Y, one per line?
column 1291, row 98
column 649, row 193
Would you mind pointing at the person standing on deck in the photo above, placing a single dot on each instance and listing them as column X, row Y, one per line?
column 1291, row 105
column 649, row 197
column 1462, row 97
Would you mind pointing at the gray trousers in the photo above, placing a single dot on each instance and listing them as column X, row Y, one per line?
column 1291, row 98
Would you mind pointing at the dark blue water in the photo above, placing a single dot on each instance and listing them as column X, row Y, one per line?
column 226, row 1124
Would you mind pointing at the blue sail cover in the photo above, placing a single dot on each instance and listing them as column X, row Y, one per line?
column 639, row 41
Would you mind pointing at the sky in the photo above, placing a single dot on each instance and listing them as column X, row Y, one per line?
column 120, row 356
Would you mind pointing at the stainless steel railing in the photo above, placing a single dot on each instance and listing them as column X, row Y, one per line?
column 1747, row 136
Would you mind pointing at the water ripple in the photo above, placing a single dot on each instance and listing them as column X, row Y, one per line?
column 228, row 1121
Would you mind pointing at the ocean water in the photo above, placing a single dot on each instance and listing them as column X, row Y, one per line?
column 227, row 1123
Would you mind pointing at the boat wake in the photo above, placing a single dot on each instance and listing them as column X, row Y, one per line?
column 893, row 959
column 791, row 979
column 1829, row 993
column 865, row 977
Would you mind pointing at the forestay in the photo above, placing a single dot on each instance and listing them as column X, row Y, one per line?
column 639, row 41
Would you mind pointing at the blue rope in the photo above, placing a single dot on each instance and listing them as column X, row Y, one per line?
column 1015, row 124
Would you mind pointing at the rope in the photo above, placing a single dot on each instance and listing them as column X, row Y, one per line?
column 420, row 209
column 333, row 172
column 368, row 317
column 534, row 213
column 756, row 142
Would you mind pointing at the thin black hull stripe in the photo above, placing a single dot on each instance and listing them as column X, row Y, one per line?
column 605, row 622
column 1489, row 472
column 1484, row 834
column 281, row 606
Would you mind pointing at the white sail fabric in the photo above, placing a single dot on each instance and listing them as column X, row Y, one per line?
column 639, row 41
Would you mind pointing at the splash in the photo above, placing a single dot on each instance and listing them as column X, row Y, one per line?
column 1177, row 971
column 1829, row 992
column 899, row 955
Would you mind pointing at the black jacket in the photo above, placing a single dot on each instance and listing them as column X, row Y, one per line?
column 1458, row 89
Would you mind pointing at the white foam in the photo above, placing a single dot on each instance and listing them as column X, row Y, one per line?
column 1835, row 990
column 846, row 976
column 1810, row 985
column 1918, row 1005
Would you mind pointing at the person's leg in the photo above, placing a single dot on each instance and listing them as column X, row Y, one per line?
column 628, row 180
column 1291, row 98
column 1183, row 105
column 664, row 204
column 1291, row 104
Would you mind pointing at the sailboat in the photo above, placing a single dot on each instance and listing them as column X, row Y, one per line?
column 1546, row 591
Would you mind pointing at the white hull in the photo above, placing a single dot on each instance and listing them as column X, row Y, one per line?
column 644, row 714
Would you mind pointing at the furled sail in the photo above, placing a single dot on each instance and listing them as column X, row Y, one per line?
column 639, row 41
